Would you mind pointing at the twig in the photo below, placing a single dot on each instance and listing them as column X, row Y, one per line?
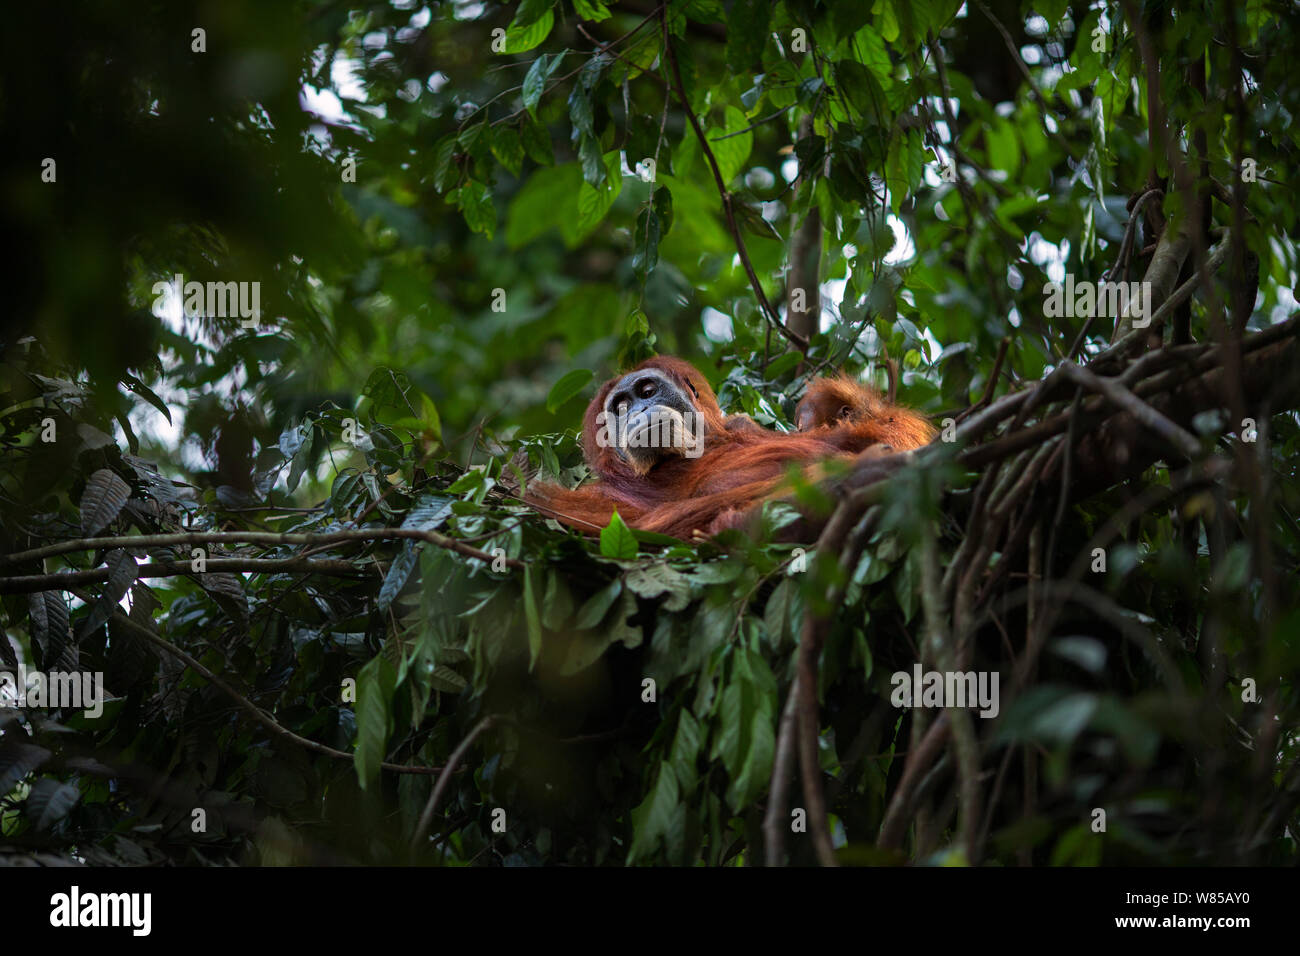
column 1043, row 109
column 250, row 537
column 244, row 704
column 809, row 732
column 679, row 91
column 426, row 818
column 992, row 382
column 918, row 762
column 1177, row 436
column 65, row 580
column 774, row 817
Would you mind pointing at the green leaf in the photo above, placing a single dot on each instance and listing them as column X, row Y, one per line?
column 746, row 742
column 595, row 201
column 530, row 11
column 51, row 635
column 145, row 392
column 50, row 801
column 778, row 615
column 122, row 573
column 580, row 111
column 888, row 20
column 557, row 604
column 537, row 143
column 616, row 540
column 646, row 256
column 875, row 57
column 429, row 415
column 376, row 684
column 508, row 148
column 663, row 205
column 300, row 458
column 569, row 385
column 535, row 81
column 589, row 157
column 586, row 647
column 521, row 38
column 595, row 607
column 475, row 201
column 17, row 760
column 904, row 166
column 751, row 219
column 652, row 819
column 593, row 10
column 747, row 33
column 731, row 151
column 532, row 619
column 445, row 170
column 398, row 572
column 103, row 498
column 713, row 624
column 543, row 203
column 687, row 745
column 657, row 580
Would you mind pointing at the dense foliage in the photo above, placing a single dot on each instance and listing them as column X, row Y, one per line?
column 461, row 217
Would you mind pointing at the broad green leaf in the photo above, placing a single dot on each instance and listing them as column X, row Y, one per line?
column 508, row 148
column 595, row 201
column 593, row 10
column 535, row 81
column 655, row 580
column 653, row 817
column 595, row 607
column 731, row 146
column 376, row 683
column 616, row 540
column 569, row 385
column 398, row 572
column 521, row 39
column 543, row 203
column 103, row 498
column 475, row 202
column 747, row 22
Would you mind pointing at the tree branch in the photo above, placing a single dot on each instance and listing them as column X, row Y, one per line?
column 679, row 91
column 244, row 704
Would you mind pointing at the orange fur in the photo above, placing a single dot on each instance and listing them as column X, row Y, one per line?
column 742, row 465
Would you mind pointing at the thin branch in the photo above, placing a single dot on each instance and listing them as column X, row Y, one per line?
column 426, row 818
column 244, row 704
column 774, row 817
column 66, row 580
column 679, row 91
column 919, row 760
column 1043, row 109
column 1114, row 390
column 251, row 537
column 992, row 382
column 809, row 733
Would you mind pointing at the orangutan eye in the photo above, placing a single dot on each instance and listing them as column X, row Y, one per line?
column 646, row 387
